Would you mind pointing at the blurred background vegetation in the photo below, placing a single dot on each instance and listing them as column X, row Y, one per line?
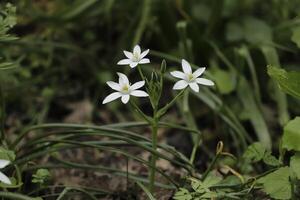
column 68, row 49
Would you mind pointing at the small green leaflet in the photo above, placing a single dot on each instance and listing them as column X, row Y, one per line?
column 289, row 82
column 183, row 194
column 296, row 36
column 295, row 164
column 253, row 30
column 277, row 183
column 7, row 154
column 225, row 80
column 257, row 152
column 291, row 135
column 203, row 186
column 41, row 176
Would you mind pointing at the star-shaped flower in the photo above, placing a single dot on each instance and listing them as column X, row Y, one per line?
column 124, row 89
column 189, row 78
column 135, row 58
column 3, row 177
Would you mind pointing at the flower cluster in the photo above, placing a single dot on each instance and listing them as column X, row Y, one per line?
column 124, row 89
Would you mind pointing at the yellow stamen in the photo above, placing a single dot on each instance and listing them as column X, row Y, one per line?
column 190, row 77
column 135, row 57
column 125, row 88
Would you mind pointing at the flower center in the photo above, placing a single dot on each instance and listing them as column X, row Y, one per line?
column 125, row 88
column 136, row 57
column 190, row 77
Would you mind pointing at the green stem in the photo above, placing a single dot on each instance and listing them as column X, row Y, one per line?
column 154, row 128
column 67, row 190
column 14, row 196
column 19, row 176
column 293, row 189
column 2, row 135
column 163, row 110
column 195, row 147
column 210, row 166
column 141, row 73
column 190, row 121
column 140, row 112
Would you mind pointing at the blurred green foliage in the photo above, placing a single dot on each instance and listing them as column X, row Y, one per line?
column 66, row 50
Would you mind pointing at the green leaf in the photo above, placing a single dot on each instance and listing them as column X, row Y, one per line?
column 277, row 184
column 270, row 159
column 7, row 154
column 257, row 31
column 209, row 195
column 147, row 192
column 295, row 164
column 289, row 82
column 203, row 186
column 234, row 32
column 252, row 108
column 41, row 176
column 183, row 194
column 296, row 36
column 211, row 180
column 7, row 65
column 197, row 186
column 253, row 30
column 77, row 8
column 291, row 135
column 230, row 180
column 225, row 80
column 255, row 152
column 7, row 21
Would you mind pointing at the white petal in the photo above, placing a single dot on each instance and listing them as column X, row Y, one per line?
column 111, row 97
column 199, row 72
column 137, row 85
column 144, row 53
column 113, row 85
column 3, row 163
column 123, row 80
column 204, row 81
column 186, row 67
column 4, row 179
column 144, row 61
column 137, row 50
column 194, row 86
column 179, row 85
column 178, row 74
column 125, row 98
column 128, row 54
column 124, row 62
column 139, row 93
column 133, row 64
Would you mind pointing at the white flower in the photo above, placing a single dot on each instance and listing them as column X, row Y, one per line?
column 189, row 78
column 3, row 177
column 124, row 89
column 135, row 58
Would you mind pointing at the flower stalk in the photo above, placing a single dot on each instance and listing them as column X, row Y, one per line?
column 154, row 129
column 154, row 87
